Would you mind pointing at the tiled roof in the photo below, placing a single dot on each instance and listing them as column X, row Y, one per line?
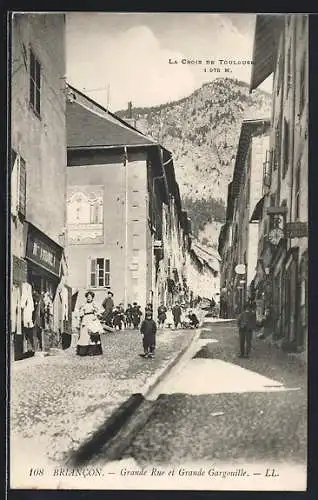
column 87, row 129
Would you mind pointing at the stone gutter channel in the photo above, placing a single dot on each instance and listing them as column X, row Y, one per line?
column 112, row 439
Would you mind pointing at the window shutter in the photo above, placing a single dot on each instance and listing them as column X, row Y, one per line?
column 92, row 275
column 22, row 187
column 14, row 183
column 107, row 272
column 286, row 147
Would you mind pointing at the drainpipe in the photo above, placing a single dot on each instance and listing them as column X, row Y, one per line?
column 294, row 124
column 126, row 224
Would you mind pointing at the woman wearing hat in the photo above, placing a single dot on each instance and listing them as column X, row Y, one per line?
column 89, row 342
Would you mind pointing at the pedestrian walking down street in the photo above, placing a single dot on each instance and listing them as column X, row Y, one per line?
column 118, row 318
column 108, row 305
column 162, row 315
column 176, row 313
column 128, row 316
column 148, row 329
column 136, row 315
column 89, row 342
column 246, row 324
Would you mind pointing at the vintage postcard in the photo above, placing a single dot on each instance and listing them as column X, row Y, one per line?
column 159, row 251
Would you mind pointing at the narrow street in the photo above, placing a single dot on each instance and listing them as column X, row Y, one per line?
column 219, row 407
column 211, row 408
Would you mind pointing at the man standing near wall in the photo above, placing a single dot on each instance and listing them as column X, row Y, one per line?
column 108, row 305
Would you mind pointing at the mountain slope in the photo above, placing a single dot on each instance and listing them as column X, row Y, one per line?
column 202, row 132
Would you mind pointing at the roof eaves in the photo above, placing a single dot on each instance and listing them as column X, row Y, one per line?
column 266, row 36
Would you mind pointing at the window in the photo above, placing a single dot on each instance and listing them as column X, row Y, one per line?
column 35, row 83
column 297, row 193
column 273, row 200
column 100, row 273
column 286, row 147
column 267, row 170
column 277, row 151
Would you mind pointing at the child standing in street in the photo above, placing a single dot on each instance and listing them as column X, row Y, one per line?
column 148, row 329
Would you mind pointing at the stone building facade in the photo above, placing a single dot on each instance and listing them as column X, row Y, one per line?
column 38, row 172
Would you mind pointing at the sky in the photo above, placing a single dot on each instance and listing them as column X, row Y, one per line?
column 119, row 57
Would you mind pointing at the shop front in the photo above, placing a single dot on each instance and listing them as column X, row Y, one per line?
column 46, row 298
column 18, row 343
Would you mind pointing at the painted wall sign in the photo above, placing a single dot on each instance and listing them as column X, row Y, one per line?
column 85, row 214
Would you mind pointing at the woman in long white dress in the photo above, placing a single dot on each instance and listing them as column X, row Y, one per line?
column 89, row 342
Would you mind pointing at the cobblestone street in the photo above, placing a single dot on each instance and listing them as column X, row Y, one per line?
column 59, row 401
column 219, row 408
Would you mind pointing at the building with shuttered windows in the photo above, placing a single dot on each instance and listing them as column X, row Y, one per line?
column 38, row 173
column 281, row 49
column 124, row 214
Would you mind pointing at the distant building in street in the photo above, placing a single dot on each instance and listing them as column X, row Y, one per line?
column 238, row 242
column 281, row 47
column 125, row 224
column 38, row 180
column 203, row 268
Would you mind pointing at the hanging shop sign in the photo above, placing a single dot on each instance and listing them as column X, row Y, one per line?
column 43, row 251
column 277, row 210
column 240, row 269
column 296, row 229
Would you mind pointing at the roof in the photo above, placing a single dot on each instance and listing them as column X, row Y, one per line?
column 258, row 210
column 249, row 129
column 266, row 37
column 90, row 126
column 208, row 256
column 85, row 129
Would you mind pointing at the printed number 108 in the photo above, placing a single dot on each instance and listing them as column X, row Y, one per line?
column 36, row 472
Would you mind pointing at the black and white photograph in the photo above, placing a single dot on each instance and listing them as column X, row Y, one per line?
column 158, row 285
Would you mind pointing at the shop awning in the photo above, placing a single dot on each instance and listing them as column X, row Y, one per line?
column 267, row 31
column 258, row 210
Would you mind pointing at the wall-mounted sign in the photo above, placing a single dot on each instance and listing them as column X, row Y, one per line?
column 43, row 251
column 296, row 229
column 275, row 235
column 240, row 269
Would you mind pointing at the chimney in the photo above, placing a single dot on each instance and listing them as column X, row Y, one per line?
column 130, row 110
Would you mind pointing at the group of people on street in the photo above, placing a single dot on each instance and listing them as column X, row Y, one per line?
column 117, row 317
column 94, row 322
column 176, row 317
